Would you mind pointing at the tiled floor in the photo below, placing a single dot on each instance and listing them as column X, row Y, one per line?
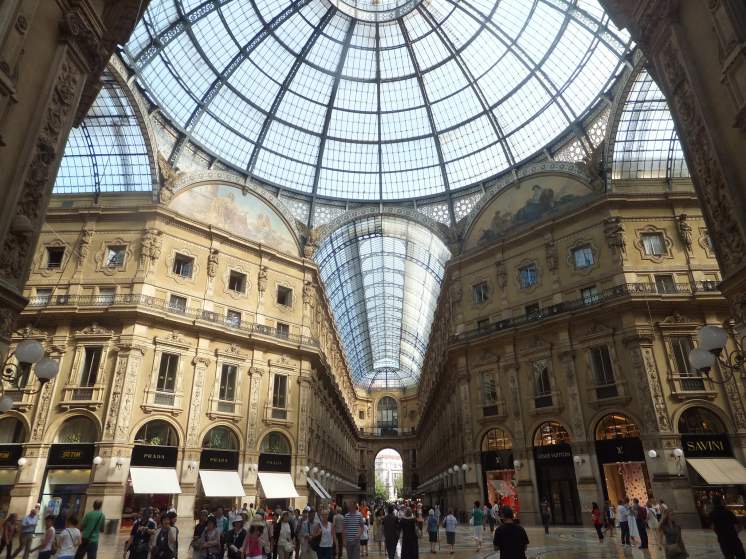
column 561, row 543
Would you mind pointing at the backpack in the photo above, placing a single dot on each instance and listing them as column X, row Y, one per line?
column 642, row 514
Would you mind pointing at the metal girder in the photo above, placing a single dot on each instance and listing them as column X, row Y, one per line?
column 590, row 23
column 328, row 115
column 429, row 110
column 286, row 84
column 175, row 28
column 94, row 158
column 456, row 56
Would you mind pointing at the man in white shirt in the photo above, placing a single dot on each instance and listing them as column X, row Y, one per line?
column 623, row 513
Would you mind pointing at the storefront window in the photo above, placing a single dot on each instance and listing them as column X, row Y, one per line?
column 77, row 429
column 497, row 439
column 616, row 426
column 700, row 420
column 500, row 485
column 158, row 433
column 11, row 431
column 220, row 438
column 550, row 433
column 275, row 443
column 12, row 435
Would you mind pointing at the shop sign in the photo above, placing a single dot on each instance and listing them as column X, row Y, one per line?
column 497, row 460
column 71, row 455
column 706, row 445
column 218, row 460
column 154, row 456
column 274, row 462
column 620, row 450
column 9, row 455
column 553, row 453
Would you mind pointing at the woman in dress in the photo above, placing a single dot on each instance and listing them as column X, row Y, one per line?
column 324, row 529
column 210, row 547
column 669, row 536
column 409, row 541
column 634, row 533
column 284, row 537
column 652, row 521
column 378, row 528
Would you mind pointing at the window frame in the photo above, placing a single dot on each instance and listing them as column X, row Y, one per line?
column 645, row 235
column 480, row 293
column 585, row 248
column 288, row 295
column 48, row 253
column 181, row 259
column 92, row 373
column 174, row 358
column 177, row 308
column 226, row 370
column 528, row 271
column 107, row 255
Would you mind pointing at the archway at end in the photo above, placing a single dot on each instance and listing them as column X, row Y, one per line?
column 389, row 474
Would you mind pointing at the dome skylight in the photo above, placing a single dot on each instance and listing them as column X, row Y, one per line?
column 375, row 99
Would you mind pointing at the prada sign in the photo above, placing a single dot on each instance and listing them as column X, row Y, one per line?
column 154, row 456
column 497, row 460
column 9, row 455
column 71, row 455
column 706, row 446
column 553, row 453
column 218, row 460
column 274, row 462
column 619, row 450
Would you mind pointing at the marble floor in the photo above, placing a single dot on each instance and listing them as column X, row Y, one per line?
column 561, row 543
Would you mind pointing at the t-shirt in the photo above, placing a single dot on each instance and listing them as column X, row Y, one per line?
column 28, row 524
column 353, row 525
column 364, row 535
column 450, row 523
column 68, row 541
column 49, row 536
column 623, row 513
column 477, row 516
column 511, row 540
column 92, row 523
column 432, row 523
column 339, row 523
column 327, row 540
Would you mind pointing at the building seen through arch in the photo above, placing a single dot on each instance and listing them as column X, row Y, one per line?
column 264, row 245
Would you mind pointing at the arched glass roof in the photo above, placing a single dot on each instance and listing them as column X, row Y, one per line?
column 107, row 152
column 375, row 99
column 383, row 276
column 646, row 145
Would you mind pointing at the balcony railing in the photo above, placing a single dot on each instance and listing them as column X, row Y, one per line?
column 387, row 431
column 616, row 292
column 153, row 303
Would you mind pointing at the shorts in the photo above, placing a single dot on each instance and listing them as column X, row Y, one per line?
column 364, row 543
column 433, row 537
column 451, row 538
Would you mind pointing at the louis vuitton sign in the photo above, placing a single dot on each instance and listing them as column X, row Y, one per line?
column 620, row 450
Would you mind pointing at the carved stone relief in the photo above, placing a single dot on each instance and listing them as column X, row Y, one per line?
column 195, row 409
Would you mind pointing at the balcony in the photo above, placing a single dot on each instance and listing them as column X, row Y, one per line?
column 280, row 416
column 224, row 409
column 609, row 393
column 386, row 432
column 618, row 292
column 150, row 304
column 88, row 397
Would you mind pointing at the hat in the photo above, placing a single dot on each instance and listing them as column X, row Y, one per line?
column 507, row 512
column 307, row 509
column 238, row 521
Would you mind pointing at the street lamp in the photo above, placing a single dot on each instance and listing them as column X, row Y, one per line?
column 28, row 352
column 712, row 350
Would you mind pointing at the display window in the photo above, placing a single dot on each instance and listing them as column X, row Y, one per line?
column 499, row 476
column 555, row 473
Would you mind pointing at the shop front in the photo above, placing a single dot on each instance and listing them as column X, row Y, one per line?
column 275, row 482
column 498, row 472
column 710, row 464
column 555, row 473
column 621, row 459
column 220, row 483
column 153, row 480
column 12, row 435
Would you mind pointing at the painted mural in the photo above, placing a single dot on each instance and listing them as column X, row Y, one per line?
column 524, row 202
column 244, row 215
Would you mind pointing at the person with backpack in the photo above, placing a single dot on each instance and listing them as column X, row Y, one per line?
column 165, row 540
column 641, row 518
column 93, row 525
column 138, row 544
column 68, row 539
column 432, row 530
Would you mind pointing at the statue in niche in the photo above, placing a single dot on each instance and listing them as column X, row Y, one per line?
column 685, row 231
column 261, row 281
column 151, row 247
column 501, row 274
column 168, row 178
column 212, row 263
column 614, row 233
column 550, row 249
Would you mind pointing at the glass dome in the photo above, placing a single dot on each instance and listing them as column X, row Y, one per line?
column 375, row 99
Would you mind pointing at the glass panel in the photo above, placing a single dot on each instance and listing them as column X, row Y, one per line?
column 167, row 372
column 90, row 366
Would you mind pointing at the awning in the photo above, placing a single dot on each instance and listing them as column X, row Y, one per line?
column 327, row 495
column 277, row 485
column 221, row 483
column 155, row 481
column 314, row 485
column 719, row 471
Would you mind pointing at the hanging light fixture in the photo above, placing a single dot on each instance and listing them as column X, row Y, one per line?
column 31, row 353
column 712, row 350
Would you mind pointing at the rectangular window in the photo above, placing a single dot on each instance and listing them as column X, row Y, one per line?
column 489, row 389
column 177, row 303
column 532, row 311
column 528, row 276
column 284, row 296
column 183, row 265
column 55, row 255
column 583, row 257
column 653, row 244
column 228, row 383
column 233, row 318
column 603, row 373
column 167, row 372
column 542, row 385
column 283, row 330
column 589, row 295
column 691, row 379
column 90, row 365
column 115, row 256
column 361, row 414
column 665, row 284
column 480, row 293
column 106, row 295
column 279, row 397
column 24, row 372
column 43, row 296
column 237, row 281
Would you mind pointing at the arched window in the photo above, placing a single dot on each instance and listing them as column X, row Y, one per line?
column 496, row 439
column 616, row 426
column 78, row 429
column 550, row 433
column 12, row 431
column 220, row 438
column 275, row 443
column 700, row 420
column 157, row 433
column 388, row 413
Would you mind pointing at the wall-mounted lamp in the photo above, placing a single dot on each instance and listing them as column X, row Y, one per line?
column 578, row 460
column 306, row 469
column 465, row 467
column 192, row 465
column 517, row 464
column 97, row 460
column 652, row 454
column 677, row 453
column 450, row 471
column 314, row 470
column 456, row 468
column 119, row 463
column 22, row 461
